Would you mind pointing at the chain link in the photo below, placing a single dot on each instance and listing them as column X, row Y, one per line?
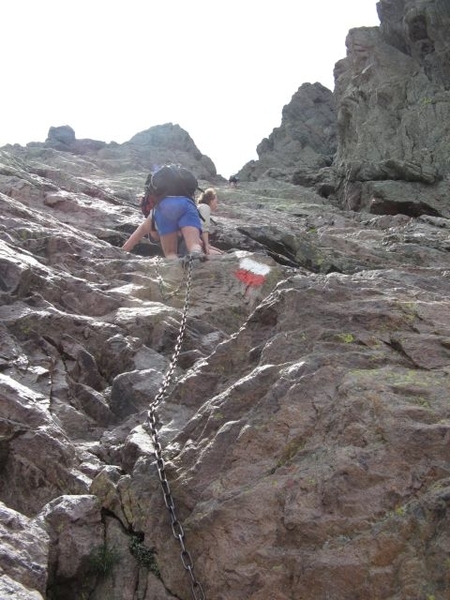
column 177, row 528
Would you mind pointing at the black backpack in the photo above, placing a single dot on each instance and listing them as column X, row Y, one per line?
column 169, row 180
column 173, row 180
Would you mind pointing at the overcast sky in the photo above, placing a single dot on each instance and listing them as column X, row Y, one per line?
column 222, row 70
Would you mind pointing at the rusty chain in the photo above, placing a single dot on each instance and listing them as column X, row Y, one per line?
column 177, row 528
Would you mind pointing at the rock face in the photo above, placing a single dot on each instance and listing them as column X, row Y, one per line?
column 393, row 98
column 392, row 118
column 300, row 380
column 304, row 425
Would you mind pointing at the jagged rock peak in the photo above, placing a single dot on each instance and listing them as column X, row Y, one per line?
column 305, row 140
column 171, row 143
column 63, row 138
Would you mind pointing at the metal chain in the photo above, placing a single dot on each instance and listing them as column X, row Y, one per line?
column 177, row 529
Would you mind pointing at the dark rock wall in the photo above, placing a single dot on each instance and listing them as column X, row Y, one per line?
column 393, row 110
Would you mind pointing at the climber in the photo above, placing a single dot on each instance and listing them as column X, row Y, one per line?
column 207, row 203
column 175, row 211
column 233, row 180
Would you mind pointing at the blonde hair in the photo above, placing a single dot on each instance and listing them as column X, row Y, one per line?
column 207, row 196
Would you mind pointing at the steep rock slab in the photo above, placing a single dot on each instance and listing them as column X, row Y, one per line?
column 314, row 454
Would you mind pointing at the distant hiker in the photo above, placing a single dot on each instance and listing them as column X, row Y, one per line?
column 207, row 203
column 174, row 210
column 233, row 181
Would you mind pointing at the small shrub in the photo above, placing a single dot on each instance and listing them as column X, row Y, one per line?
column 102, row 560
column 144, row 555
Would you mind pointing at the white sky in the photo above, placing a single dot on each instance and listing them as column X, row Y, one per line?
column 222, row 70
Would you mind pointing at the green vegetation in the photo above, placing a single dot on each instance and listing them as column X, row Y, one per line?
column 347, row 338
column 102, row 560
column 144, row 555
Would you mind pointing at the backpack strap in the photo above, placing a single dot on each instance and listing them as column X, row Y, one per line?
column 199, row 213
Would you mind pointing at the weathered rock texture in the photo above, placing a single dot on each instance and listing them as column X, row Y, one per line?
column 393, row 97
column 305, row 141
column 391, row 118
column 306, row 428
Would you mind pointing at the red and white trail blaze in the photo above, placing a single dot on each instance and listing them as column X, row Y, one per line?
column 252, row 273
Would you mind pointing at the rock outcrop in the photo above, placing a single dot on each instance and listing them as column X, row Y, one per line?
column 393, row 98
